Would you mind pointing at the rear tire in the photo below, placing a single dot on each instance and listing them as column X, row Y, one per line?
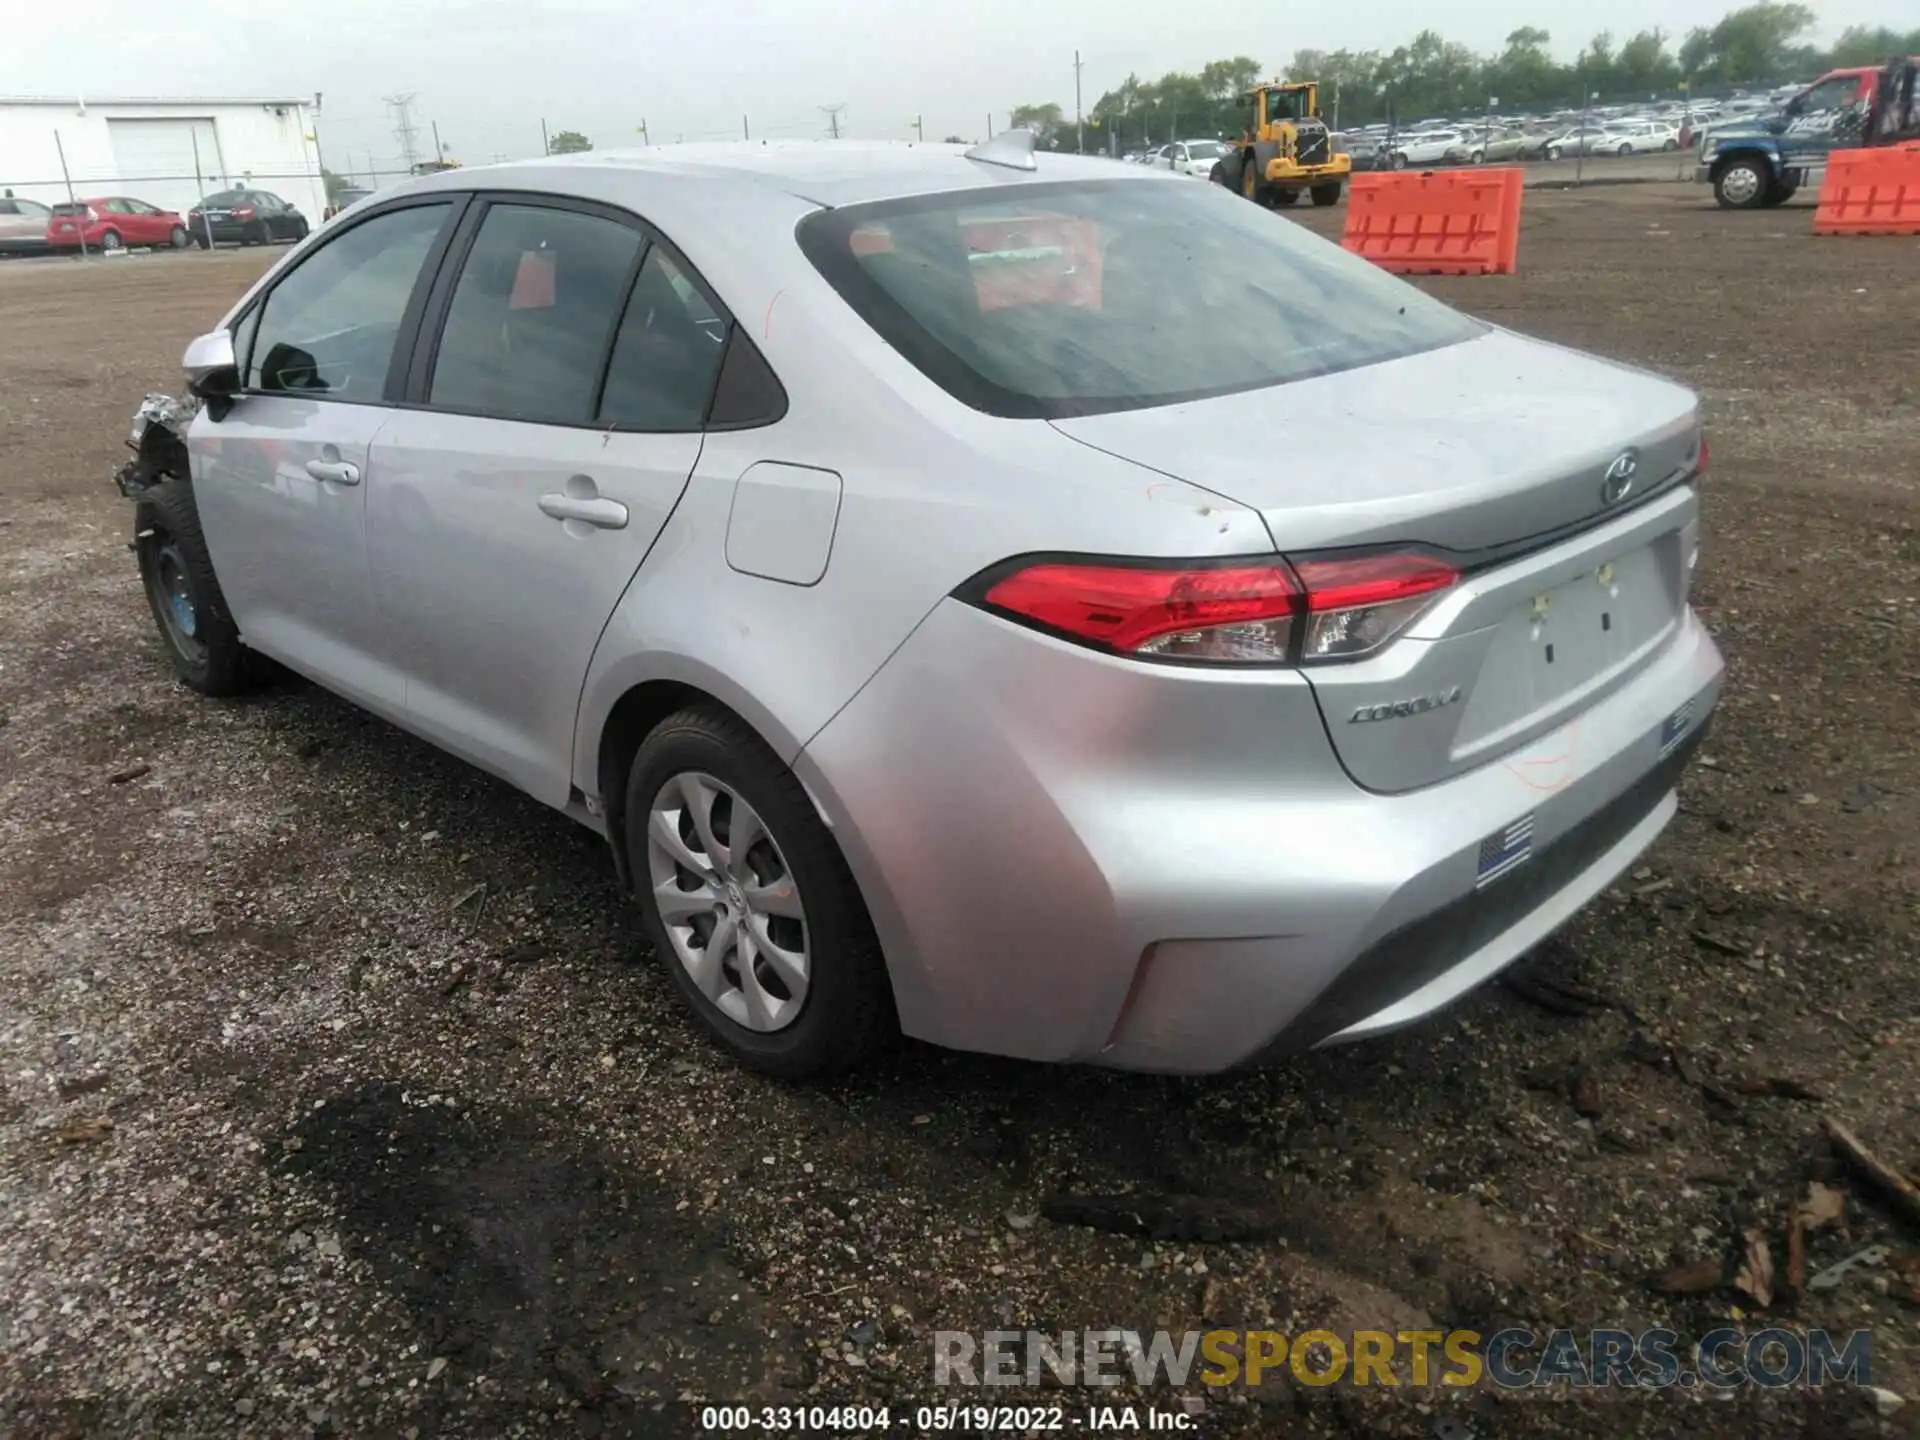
column 178, row 239
column 184, row 594
column 257, row 234
column 1554, row 152
column 1283, row 198
column 706, row 759
column 1326, row 194
column 111, row 243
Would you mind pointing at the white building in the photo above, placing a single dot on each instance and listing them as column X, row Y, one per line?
column 166, row 152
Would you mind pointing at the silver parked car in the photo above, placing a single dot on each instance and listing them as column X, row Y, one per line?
column 899, row 572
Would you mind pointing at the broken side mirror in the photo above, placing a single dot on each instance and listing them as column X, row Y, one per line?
column 213, row 374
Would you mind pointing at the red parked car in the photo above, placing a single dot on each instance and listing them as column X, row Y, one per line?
column 114, row 222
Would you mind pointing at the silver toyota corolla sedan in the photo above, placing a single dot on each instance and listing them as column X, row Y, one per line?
column 1040, row 606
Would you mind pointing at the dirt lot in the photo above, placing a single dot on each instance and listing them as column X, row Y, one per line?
column 390, row 1154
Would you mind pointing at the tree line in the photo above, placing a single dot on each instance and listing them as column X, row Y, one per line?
column 1757, row 45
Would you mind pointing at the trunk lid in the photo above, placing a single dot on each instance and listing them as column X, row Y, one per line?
column 1496, row 451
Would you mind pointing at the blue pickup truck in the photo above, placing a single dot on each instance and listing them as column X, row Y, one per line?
column 1763, row 160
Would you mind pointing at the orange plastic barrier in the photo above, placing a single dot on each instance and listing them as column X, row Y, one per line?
column 1871, row 192
column 1447, row 222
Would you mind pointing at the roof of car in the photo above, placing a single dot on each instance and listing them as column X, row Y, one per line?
column 825, row 172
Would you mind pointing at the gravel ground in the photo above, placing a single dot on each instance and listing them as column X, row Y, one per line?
column 339, row 1095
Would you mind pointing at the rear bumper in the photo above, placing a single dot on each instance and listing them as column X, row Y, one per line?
column 230, row 231
column 1071, row 857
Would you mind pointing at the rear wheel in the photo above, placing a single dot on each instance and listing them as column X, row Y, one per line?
column 1326, row 194
column 748, row 901
column 1283, row 198
column 184, row 594
column 178, row 237
column 1478, row 157
column 1397, row 161
column 111, row 243
column 257, row 234
column 1554, row 152
column 1626, row 150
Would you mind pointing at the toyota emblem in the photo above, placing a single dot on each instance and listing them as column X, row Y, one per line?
column 1618, row 482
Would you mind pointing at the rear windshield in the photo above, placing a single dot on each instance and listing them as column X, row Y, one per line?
column 1051, row 300
column 72, row 210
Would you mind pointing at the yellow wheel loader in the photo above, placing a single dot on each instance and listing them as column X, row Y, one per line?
column 1285, row 149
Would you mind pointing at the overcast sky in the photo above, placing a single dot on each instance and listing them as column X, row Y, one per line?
column 488, row 71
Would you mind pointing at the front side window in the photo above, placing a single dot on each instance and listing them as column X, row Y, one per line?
column 527, row 333
column 328, row 328
column 1833, row 94
column 1085, row 297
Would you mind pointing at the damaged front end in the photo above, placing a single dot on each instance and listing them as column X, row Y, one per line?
column 158, row 440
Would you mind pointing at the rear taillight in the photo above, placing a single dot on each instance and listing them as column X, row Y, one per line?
column 245, row 212
column 1700, row 464
column 1267, row 612
column 1357, row 604
column 1239, row 613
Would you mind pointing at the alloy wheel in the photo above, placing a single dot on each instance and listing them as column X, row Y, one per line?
column 728, row 902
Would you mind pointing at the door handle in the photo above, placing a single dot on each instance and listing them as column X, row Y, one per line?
column 340, row 472
column 601, row 513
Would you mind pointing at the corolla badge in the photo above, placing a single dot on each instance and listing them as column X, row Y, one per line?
column 1400, row 709
column 1617, row 484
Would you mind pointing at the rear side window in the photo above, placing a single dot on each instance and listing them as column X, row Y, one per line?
column 667, row 355
column 328, row 329
column 527, row 333
column 1087, row 297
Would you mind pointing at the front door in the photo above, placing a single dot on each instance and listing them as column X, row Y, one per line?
column 282, row 479
column 561, row 419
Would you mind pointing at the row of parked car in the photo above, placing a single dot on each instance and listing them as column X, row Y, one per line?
column 1433, row 143
column 1498, row 144
column 111, row 223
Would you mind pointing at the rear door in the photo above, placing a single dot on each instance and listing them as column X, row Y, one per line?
column 282, row 479
column 554, row 418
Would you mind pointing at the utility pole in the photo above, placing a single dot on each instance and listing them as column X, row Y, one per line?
column 439, row 150
column 643, row 131
column 745, row 134
column 546, row 145
column 832, row 112
column 1079, row 131
column 989, row 125
column 404, row 130
column 920, row 127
